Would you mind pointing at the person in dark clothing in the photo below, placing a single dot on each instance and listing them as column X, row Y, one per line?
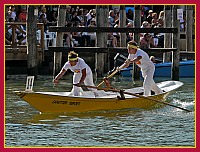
column 149, row 17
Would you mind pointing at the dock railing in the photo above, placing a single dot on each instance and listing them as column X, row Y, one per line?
column 13, row 29
column 15, row 41
column 175, row 51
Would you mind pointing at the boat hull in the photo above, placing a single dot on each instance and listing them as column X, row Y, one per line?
column 53, row 103
column 62, row 101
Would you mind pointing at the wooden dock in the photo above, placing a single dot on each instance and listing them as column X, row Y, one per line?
column 14, row 52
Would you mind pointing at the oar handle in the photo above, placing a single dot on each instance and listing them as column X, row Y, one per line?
column 108, row 77
column 117, row 69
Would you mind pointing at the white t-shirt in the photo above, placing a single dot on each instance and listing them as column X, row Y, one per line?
column 80, row 65
column 144, row 62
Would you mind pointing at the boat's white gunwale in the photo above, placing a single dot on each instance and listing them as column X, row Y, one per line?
column 166, row 86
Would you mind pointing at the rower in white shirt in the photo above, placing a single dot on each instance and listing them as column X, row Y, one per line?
column 141, row 58
column 82, row 73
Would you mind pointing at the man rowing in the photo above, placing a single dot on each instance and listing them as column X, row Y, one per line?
column 147, row 67
column 82, row 73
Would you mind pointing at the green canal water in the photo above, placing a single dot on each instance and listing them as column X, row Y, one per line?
column 162, row 127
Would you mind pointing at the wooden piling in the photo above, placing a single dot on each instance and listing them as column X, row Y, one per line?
column 102, row 21
column 32, row 67
column 122, row 22
column 167, row 36
column 137, row 24
column 59, row 40
column 189, row 27
column 176, row 39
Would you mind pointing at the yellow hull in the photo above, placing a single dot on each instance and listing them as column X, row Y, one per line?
column 56, row 103
column 62, row 102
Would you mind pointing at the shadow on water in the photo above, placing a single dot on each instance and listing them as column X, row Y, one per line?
column 58, row 117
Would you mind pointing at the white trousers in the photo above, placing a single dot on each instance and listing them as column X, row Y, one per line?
column 149, row 83
column 77, row 91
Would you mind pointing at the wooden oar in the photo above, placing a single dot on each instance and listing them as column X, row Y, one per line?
column 117, row 69
column 137, row 95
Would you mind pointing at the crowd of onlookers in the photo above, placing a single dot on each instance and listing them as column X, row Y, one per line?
column 82, row 17
column 16, row 16
column 153, row 20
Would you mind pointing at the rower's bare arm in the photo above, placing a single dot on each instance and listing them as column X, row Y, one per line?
column 60, row 74
column 83, row 76
column 126, row 64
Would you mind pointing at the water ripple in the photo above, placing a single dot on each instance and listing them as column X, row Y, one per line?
column 162, row 127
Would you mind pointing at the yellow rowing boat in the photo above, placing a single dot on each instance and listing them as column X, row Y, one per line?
column 64, row 102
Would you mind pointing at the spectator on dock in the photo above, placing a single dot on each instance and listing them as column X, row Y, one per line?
column 149, row 17
column 130, row 36
column 22, row 15
column 75, row 18
column 152, row 58
column 8, row 34
column 92, row 35
column 82, row 73
column 44, row 20
column 111, row 19
column 77, row 35
column 159, row 37
column 43, row 11
column 85, row 11
column 154, row 21
column 12, row 13
column 129, row 14
column 80, row 16
column 142, row 59
column 68, row 14
column 161, row 18
column 117, row 34
column 112, row 40
column 69, row 41
column 85, row 37
column 91, row 14
column 145, row 24
column 21, row 35
column 53, row 18
column 146, row 41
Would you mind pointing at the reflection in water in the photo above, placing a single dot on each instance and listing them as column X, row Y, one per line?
column 57, row 117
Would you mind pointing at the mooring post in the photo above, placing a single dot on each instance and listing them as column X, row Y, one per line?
column 122, row 23
column 102, row 21
column 176, row 39
column 167, row 36
column 32, row 59
column 189, row 27
column 137, row 23
column 59, row 40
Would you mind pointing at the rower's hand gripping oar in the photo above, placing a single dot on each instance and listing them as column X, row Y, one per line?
column 137, row 95
column 112, row 74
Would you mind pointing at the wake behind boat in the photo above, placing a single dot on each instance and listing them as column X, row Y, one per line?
column 109, row 100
